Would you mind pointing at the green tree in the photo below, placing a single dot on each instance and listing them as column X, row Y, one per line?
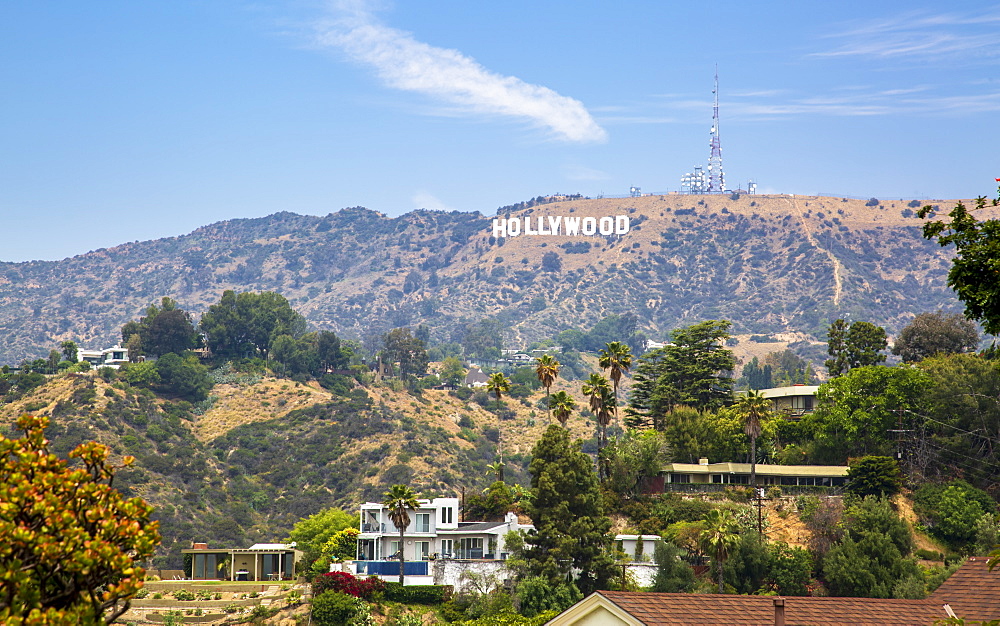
column 756, row 376
column 311, row 533
column 333, row 608
column 856, row 411
column 165, row 328
column 484, row 339
column 571, row 528
column 630, row 458
column 498, row 384
column 973, row 274
column 70, row 351
column 185, row 377
column 244, row 324
column 673, row 575
column 398, row 500
column 753, row 408
column 342, row 545
column 562, row 404
column 452, row 371
column 694, row 370
column 547, row 369
column 400, row 346
column 789, row 569
column 930, row 334
column 72, row 544
column 719, row 536
column 788, row 368
column 616, row 358
column 957, row 516
column 857, row 345
column 874, row 476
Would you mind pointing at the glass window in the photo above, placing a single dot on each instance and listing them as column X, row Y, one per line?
column 423, row 524
column 470, row 548
column 447, row 548
column 680, row 478
column 423, row 550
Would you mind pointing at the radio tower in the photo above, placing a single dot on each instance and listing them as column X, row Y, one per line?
column 716, row 178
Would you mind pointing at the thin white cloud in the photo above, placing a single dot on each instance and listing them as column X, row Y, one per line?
column 584, row 173
column 404, row 63
column 920, row 34
column 423, row 200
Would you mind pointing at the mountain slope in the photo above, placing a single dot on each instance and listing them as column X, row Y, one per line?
column 768, row 263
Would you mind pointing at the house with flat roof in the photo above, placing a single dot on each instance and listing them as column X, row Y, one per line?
column 112, row 357
column 435, row 539
column 792, row 402
column 261, row 561
column 702, row 476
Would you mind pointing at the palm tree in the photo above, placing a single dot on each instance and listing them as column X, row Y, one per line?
column 498, row 384
column 547, row 368
column 718, row 538
column 616, row 357
column 398, row 500
column 602, row 404
column 753, row 408
column 563, row 404
column 496, row 468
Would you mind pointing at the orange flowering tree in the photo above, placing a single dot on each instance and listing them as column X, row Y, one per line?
column 70, row 544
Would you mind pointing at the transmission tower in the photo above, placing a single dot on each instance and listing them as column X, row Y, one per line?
column 716, row 178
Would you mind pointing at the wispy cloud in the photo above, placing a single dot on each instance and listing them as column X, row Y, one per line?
column 920, row 34
column 423, row 200
column 449, row 76
column 584, row 173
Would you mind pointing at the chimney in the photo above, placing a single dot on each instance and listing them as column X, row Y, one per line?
column 199, row 546
column 703, row 461
column 779, row 612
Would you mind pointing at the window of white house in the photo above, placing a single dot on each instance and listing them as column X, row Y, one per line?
column 394, row 548
column 423, row 524
column 447, row 515
column 423, row 550
column 447, row 548
column 470, row 548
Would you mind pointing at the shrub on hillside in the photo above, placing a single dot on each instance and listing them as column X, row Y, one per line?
column 342, row 582
column 333, row 608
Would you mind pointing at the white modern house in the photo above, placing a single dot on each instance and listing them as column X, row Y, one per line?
column 108, row 357
column 438, row 548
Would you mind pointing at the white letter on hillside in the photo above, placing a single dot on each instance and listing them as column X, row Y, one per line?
column 499, row 227
column 622, row 224
column 607, row 225
column 514, row 227
column 541, row 226
column 527, row 227
column 589, row 226
column 572, row 226
column 554, row 224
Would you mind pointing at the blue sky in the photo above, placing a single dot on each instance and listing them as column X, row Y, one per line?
column 132, row 120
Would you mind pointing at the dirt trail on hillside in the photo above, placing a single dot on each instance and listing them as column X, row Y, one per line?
column 837, row 283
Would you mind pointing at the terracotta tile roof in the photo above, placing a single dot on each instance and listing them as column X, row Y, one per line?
column 684, row 609
column 973, row 592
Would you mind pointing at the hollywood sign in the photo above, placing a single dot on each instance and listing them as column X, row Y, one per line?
column 560, row 225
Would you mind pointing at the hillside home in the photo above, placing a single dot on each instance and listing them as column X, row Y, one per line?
column 971, row 593
column 261, row 561
column 792, row 402
column 434, row 541
column 109, row 357
column 475, row 378
column 702, row 476
column 434, row 532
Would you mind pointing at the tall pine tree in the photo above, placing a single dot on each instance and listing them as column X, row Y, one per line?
column 571, row 529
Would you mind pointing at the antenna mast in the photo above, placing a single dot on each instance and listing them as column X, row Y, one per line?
column 716, row 178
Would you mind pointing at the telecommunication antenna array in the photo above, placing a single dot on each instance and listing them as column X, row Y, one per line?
column 716, row 178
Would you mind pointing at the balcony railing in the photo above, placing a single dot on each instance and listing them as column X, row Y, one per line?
column 373, row 528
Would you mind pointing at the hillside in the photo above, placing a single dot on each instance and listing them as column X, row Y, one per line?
column 771, row 264
column 263, row 453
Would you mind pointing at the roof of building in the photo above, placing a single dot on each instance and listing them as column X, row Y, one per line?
column 965, row 591
column 682, row 609
column 762, row 469
column 794, row 390
column 475, row 375
column 972, row 592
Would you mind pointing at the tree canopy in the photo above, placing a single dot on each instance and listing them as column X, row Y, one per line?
column 974, row 271
column 694, row 370
column 571, row 539
column 935, row 333
column 857, row 345
column 72, row 545
column 162, row 329
column 244, row 324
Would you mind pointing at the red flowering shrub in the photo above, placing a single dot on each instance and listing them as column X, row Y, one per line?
column 349, row 584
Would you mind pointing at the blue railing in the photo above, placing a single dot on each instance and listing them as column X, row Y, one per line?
column 391, row 568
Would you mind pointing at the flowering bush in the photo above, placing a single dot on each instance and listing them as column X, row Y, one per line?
column 349, row 584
